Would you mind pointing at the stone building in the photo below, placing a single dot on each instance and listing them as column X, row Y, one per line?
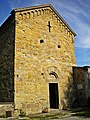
column 36, row 59
column 81, row 86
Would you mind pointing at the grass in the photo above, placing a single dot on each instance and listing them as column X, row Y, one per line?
column 81, row 112
column 48, row 116
column 85, row 112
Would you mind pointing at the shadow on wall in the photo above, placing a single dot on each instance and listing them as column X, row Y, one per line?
column 7, row 53
column 75, row 94
column 69, row 94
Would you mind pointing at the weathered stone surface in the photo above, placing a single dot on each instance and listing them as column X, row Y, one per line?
column 82, row 85
column 34, row 58
column 38, row 63
column 5, row 107
column 7, row 60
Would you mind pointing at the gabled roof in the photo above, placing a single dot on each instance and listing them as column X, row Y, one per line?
column 44, row 6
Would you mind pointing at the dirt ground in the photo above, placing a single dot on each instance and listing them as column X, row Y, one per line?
column 74, row 114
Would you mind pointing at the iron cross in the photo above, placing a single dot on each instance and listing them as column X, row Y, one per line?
column 49, row 26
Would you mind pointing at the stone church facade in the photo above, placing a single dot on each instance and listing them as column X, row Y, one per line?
column 36, row 59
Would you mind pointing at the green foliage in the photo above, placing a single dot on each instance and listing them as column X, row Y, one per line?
column 83, row 112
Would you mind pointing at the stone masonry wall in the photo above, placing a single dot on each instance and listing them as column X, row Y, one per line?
column 5, row 108
column 80, row 86
column 7, row 60
column 39, row 52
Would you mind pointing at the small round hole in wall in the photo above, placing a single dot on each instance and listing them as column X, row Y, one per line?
column 41, row 41
column 17, row 75
column 59, row 46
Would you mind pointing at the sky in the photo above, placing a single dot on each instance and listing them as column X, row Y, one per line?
column 75, row 12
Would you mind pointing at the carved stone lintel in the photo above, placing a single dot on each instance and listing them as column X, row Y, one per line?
column 65, row 29
column 72, row 38
column 39, row 12
column 53, row 14
column 28, row 14
column 36, row 13
column 45, row 11
column 58, row 20
column 24, row 15
column 61, row 24
column 32, row 13
column 42, row 12
column 51, row 73
column 50, row 12
column 20, row 16
column 68, row 33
